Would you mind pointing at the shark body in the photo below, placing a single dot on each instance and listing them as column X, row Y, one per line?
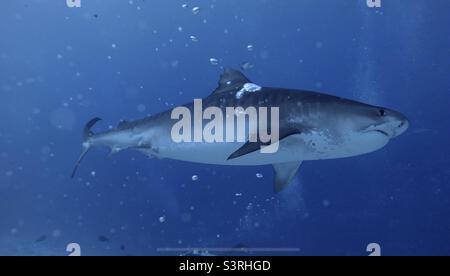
column 312, row 126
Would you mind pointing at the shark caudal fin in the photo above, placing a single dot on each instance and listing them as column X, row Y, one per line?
column 86, row 145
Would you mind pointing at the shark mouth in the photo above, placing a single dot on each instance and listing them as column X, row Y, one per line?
column 382, row 132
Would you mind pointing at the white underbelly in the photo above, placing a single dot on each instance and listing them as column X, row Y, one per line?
column 293, row 148
column 290, row 149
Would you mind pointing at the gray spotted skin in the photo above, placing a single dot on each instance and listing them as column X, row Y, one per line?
column 320, row 126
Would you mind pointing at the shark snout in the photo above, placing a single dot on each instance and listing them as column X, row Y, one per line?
column 397, row 124
column 401, row 123
column 402, row 126
column 389, row 123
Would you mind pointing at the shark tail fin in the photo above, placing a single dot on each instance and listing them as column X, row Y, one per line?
column 86, row 145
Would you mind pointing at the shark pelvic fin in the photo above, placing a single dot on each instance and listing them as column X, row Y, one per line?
column 284, row 173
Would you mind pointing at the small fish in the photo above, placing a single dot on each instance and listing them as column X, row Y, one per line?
column 95, row 15
column 41, row 238
column 103, row 238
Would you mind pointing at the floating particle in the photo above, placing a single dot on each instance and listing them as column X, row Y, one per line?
column 194, row 177
column 250, row 47
column 264, row 54
column 113, row 45
column 141, row 108
column 185, row 6
column 247, row 65
column 103, row 238
column 109, row 57
column 193, row 38
column 259, row 175
column 63, row 118
column 41, row 239
column 36, row 111
column 45, row 150
column 180, row 29
column 93, row 173
column 195, row 10
column 186, row 217
column 9, row 173
column 319, row 44
column 326, row 203
column 162, row 219
column 213, row 61
column 238, row 194
column 56, row 233
column 59, row 56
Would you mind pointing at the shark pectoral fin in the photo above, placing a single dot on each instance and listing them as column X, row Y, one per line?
column 247, row 148
column 250, row 147
column 284, row 173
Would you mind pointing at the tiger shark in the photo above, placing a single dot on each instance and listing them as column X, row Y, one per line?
column 311, row 126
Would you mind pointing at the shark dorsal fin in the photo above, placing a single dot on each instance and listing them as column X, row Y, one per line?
column 231, row 80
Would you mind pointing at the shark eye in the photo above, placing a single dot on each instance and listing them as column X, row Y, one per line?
column 382, row 112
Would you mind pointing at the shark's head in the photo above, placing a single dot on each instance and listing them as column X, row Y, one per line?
column 382, row 120
column 363, row 128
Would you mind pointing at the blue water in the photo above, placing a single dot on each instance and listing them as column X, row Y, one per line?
column 61, row 66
